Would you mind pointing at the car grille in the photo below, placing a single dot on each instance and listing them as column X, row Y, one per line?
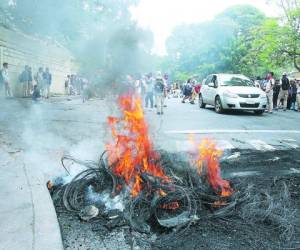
column 249, row 95
column 245, row 105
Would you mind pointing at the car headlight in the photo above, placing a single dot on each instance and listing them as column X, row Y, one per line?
column 230, row 94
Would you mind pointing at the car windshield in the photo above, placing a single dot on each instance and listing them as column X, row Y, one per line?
column 235, row 81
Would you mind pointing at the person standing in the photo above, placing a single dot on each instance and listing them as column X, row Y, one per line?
column 298, row 96
column 284, row 91
column 67, row 85
column 30, row 85
column 39, row 81
column 159, row 89
column 24, row 78
column 293, row 90
column 5, row 80
column 47, row 80
column 269, row 91
column 149, row 88
column 276, row 91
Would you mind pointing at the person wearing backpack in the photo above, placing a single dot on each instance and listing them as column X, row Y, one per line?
column 284, row 91
column 187, row 90
column 159, row 89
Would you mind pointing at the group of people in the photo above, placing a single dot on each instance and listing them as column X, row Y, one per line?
column 283, row 93
column 42, row 79
column 32, row 86
column 190, row 91
column 153, row 89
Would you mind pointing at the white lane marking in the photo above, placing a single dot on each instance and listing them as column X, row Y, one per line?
column 290, row 143
column 185, row 146
column 234, row 156
column 222, row 144
column 261, row 145
column 294, row 170
column 189, row 146
column 230, row 131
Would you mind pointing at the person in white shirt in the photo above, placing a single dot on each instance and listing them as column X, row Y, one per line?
column 5, row 79
column 269, row 91
column 149, row 90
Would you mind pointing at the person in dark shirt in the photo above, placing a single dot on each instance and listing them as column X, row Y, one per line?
column 47, row 82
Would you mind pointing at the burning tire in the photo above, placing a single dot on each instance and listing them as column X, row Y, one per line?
column 175, row 209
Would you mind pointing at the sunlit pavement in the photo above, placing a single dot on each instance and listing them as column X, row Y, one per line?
column 232, row 130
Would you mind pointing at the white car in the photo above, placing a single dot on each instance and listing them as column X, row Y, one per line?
column 232, row 92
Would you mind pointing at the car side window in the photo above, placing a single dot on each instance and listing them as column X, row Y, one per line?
column 208, row 80
column 215, row 81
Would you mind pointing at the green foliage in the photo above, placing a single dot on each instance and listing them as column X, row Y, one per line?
column 216, row 46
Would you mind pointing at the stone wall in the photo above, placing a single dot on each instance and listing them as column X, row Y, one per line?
column 18, row 50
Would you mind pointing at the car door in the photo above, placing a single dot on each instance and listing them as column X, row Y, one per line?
column 205, row 90
column 214, row 89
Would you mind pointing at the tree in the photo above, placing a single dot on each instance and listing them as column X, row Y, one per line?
column 216, row 46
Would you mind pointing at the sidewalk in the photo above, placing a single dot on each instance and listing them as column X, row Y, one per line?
column 27, row 216
column 33, row 137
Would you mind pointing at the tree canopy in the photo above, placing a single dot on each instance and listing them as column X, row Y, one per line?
column 241, row 39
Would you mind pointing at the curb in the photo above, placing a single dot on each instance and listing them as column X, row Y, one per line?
column 46, row 230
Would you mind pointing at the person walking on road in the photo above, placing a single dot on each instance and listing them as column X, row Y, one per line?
column 269, row 91
column 47, row 80
column 284, row 91
column 149, row 88
column 5, row 80
column 159, row 89
column 39, row 79
column 298, row 96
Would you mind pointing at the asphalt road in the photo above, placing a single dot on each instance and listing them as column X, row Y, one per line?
column 232, row 130
column 34, row 136
column 50, row 128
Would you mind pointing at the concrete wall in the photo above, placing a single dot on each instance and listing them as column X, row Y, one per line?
column 18, row 50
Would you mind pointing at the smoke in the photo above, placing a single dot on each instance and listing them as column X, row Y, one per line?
column 104, row 198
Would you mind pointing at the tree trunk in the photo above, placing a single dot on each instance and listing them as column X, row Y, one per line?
column 295, row 63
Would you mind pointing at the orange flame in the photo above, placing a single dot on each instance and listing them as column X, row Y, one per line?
column 209, row 155
column 131, row 153
column 171, row 206
column 218, row 204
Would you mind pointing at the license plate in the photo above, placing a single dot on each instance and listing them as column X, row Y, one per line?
column 250, row 101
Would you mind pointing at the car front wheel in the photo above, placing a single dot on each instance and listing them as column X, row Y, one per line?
column 201, row 103
column 218, row 105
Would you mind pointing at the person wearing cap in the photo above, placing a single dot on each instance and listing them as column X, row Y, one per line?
column 284, row 91
column 159, row 89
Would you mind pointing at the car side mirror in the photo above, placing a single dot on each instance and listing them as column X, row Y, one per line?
column 211, row 85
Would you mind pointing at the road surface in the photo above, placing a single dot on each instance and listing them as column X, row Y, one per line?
column 34, row 136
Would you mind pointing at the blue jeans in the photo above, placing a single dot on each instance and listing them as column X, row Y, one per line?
column 149, row 97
